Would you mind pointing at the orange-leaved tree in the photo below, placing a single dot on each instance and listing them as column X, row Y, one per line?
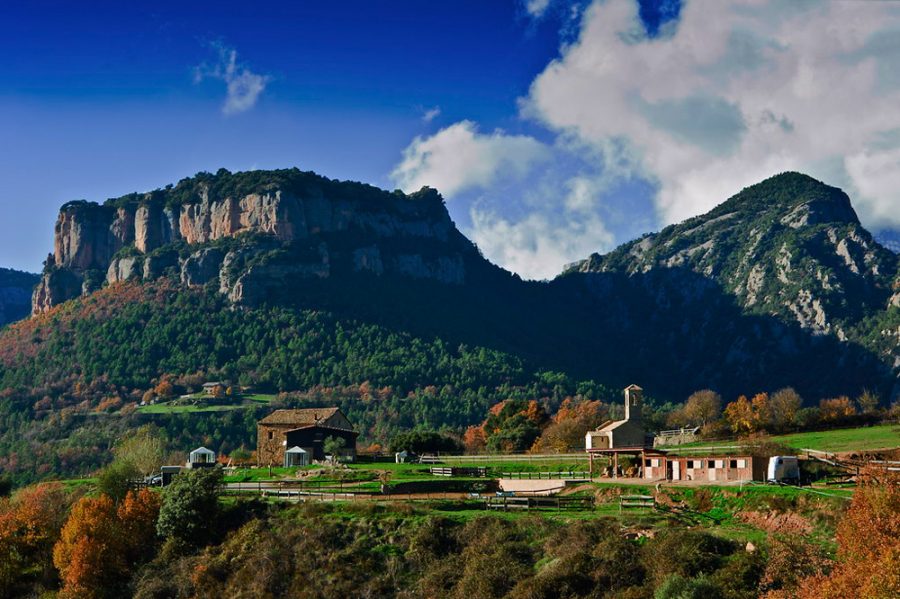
column 868, row 538
column 739, row 415
column 101, row 546
column 29, row 526
column 570, row 423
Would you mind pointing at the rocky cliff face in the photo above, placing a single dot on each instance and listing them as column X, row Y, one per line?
column 15, row 294
column 772, row 285
column 249, row 232
column 789, row 246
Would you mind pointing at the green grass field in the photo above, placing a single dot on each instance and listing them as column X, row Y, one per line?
column 883, row 436
column 176, row 407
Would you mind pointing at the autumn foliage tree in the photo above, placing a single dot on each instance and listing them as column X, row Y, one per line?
column 836, row 410
column 102, row 545
column 739, row 415
column 785, row 405
column 514, row 425
column 700, row 409
column 570, row 423
column 868, row 538
column 30, row 522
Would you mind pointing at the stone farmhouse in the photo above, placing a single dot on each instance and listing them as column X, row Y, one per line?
column 306, row 429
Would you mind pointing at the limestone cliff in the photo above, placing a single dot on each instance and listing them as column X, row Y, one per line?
column 250, row 232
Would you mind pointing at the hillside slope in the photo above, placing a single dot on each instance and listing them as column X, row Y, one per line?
column 15, row 294
column 779, row 285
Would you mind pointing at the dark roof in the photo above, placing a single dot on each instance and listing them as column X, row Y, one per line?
column 300, row 417
column 327, row 428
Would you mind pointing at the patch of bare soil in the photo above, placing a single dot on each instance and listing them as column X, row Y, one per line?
column 780, row 523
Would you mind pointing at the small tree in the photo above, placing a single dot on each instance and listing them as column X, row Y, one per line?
column 785, row 405
column 868, row 402
column 333, row 447
column 703, row 407
column 117, row 479
column 144, row 448
column 189, row 505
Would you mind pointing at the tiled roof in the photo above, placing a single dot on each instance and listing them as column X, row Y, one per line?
column 299, row 417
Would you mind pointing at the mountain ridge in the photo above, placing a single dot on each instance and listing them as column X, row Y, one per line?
column 779, row 285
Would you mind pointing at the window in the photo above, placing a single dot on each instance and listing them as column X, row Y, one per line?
column 742, row 463
column 717, row 463
column 694, row 464
column 732, row 463
column 271, row 435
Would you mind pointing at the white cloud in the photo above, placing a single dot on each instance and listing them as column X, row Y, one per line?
column 734, row 93
column 458, row 158
column 243, row 86
column 532, row 207
column 431, row 114
column 540, row 244
column 537, row 8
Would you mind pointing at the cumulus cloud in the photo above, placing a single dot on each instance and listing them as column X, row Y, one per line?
column 431, row 114
column 733, row 93
column 531, row 207
column 541, row 242
column 243, row 86
column 459, row 157
column 537, row 8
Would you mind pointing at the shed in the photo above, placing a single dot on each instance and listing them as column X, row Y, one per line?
column 201, row 458
column 401, row 457
column 296, row 456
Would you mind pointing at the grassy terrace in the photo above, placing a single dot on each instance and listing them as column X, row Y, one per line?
column 883, row 436
column 184, row 405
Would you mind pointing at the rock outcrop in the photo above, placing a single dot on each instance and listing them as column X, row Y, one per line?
column 305, row 216
column 789, row 246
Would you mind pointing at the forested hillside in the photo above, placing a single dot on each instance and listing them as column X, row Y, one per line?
column 284, row 281
column 15, row 294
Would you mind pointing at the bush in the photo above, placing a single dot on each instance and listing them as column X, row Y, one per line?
column 190, row 506
column 117, row 479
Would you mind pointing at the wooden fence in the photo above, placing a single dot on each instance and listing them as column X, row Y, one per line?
column 563, row 475
column 507, row 503
column 476, row 472
column 636, row 501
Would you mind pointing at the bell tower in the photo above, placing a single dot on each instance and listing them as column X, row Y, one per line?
column 633, row 403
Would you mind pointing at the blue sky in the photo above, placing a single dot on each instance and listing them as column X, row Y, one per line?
column 553, row 128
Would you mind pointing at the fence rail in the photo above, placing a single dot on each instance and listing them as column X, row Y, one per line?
column 507, row 503
column 564, row 475
column 636, row 501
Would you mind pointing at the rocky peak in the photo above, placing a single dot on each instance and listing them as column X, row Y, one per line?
column 789, row 245
column 304, row 215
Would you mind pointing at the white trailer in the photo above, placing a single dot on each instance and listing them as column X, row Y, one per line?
column 783, row 469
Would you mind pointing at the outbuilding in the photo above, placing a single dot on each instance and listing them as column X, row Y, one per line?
column 712, row 469
column 296, row 456
column 201, row 458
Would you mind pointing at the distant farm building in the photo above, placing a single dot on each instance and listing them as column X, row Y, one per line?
column 625, row 436
column 201, row 458
column 627, row 433
column 214, row 388
column 704, row 468
column 304, row 429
